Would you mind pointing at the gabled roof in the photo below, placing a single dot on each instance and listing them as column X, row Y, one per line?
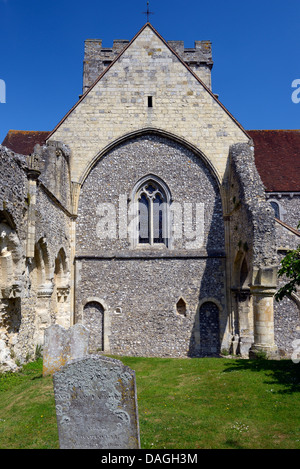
column 24, row 141
column 277, row 158
column 117, row 58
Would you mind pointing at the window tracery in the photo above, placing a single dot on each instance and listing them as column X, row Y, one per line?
column 153, row 207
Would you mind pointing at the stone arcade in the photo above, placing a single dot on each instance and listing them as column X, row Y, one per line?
column 149, row 215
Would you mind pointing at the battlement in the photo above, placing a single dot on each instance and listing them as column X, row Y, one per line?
column 97, row 58
column 200, row 54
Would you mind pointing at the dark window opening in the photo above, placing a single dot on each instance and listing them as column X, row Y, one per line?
column 150, row 101
column 181, row 307
column 143, row 220
column 158, row 220
column 275, row 207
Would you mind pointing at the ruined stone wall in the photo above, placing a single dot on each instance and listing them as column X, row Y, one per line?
column 30, row 283
column 54, row 166
column 251, row 240
column 13, row 189
column 248, row 201
column 139, row 286
column 13, row 268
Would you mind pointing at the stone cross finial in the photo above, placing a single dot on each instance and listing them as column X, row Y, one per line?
column 148, row 12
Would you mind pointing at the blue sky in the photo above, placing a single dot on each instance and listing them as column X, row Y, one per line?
column 256, row 53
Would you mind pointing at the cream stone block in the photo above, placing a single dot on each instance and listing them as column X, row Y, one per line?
column 182, row 107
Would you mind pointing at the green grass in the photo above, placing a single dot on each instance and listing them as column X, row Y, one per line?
column 183, row 404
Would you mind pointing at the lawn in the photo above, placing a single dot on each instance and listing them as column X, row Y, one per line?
column 206, row 403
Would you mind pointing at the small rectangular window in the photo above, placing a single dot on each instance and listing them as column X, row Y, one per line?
column 150, row 101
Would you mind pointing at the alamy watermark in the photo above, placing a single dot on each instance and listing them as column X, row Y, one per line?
column 296, row 92
column 296, row 351
column 166, row 223
column 2, row 91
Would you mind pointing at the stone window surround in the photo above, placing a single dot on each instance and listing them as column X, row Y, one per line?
column 276, row 196
column 281, row 209
column 164, row 189
column 106, row 318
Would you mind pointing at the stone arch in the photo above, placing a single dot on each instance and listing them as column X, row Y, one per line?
column 150, row 131
column 207, row 328
column 279, row 210
column 62, row 290
column 42, row 283
column 241, row 271
column 93, row 319
column 244, row 274
column 110, row 207
column 61, row 269
column 42, row 264
column 242, row 311
column 136, row 134
column 162, row 232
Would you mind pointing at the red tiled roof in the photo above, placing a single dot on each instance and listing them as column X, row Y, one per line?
column 277, row 154
column 277, row 158
column 24, row 141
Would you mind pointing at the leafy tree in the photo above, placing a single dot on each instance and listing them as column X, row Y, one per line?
column 290, row 267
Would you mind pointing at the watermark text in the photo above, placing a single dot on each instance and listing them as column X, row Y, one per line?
column 2, row 91
column 296, row 92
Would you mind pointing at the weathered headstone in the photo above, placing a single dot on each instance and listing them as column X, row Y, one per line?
column 96, row 405
column 62, row 345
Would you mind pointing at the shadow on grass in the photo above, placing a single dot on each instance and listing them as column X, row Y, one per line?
column 281, row 372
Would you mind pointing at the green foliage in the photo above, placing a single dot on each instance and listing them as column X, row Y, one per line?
column 290, row 268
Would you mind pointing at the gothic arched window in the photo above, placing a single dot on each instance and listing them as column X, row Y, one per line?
column 276, row 209
column 153, row 199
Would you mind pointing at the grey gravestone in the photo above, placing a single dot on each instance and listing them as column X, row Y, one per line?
column 62, row 345
column 96, row 405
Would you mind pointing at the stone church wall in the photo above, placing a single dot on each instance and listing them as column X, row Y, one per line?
column 288, row 207
column 287, row 311
column 138, row 287
column 140, row 297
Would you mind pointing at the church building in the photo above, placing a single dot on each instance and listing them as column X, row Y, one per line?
column 149, row 215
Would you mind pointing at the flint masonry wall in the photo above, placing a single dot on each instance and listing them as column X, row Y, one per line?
column 13, row 189
column 288, row 206
column 258, row 217
column 139, row 288
column 287, row 311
